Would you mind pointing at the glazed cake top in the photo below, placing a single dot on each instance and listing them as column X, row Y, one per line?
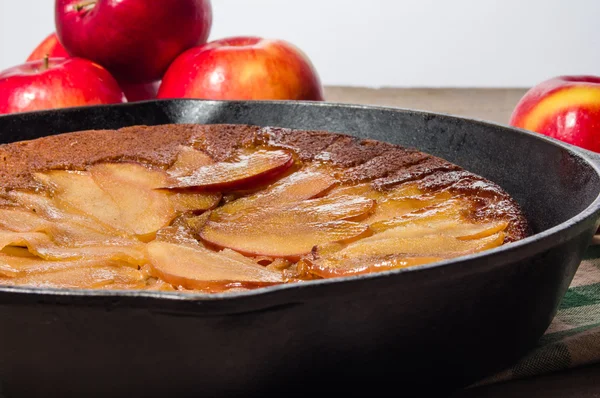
column 383, row 164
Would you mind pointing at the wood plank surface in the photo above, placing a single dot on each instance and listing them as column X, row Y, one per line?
column 487, row 104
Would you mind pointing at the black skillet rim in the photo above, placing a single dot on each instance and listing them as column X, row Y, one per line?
column 496, row 257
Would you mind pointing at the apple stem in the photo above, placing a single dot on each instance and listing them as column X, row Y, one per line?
column 46, row 62
column 84, row 5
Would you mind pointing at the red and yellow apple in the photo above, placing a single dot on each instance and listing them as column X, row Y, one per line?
column 52, row 48
column 242, row 68
column 56, row 83
column 135, row 40
column 566, row 108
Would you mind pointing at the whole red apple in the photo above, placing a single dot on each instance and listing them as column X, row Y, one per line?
column 135, row 40
column 565, row 107
column 56, row 83
column 140, row 91
column 52, row 48
column 242, row 68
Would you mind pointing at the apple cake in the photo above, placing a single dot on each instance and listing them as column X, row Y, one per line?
column 214, row 208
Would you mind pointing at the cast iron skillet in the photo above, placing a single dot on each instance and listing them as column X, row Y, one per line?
column 431, row 328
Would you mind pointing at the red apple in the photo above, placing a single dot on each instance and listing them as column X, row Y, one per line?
column 239, row 68
column 140, row 91
column 56, row 83
column 565, row 107
column 52, row 48
column 135, row 40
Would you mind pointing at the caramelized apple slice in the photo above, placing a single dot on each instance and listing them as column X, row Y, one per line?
column 40, row 204
column 76, row 192
column 312, row 210
column 291, row 231
column 189, row 201
column 143, row 209
column 189, row 160
column 145, row 196
column 79, row 274
column 76, row 232
column 339, row 208
column 331, row 268
column 480, row 230
column 42, row 246
column 179, row 235
column 200, row 268
column 18, row 220
column 456, row 228
column 298, row 186
column 392, row 203
column 389, row 208
column 22, row 263
column 453, row 209
column 287, row 241
column 46, row 209
column 428, row 245
column 247, row 170
column 13, row 259
column 367, row 190
column 62, row 236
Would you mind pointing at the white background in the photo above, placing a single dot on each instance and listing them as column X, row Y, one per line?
column 405, row 43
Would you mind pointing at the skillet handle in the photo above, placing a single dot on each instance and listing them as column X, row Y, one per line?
column 593, row 157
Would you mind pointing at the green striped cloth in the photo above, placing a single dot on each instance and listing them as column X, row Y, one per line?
column 573, row 338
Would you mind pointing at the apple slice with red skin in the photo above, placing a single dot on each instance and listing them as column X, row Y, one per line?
column 204, row 269
column 247, row 170
column 122, row 196
column 288, row 231
column 189, row 160
column 144, row 208
column 298, row 186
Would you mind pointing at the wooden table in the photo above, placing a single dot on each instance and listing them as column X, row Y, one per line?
column 488, row 104
column 494, row 105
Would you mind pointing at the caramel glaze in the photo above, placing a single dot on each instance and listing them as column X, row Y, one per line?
column 384, row 164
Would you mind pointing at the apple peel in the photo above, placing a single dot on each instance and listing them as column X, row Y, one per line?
column 247, row 170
